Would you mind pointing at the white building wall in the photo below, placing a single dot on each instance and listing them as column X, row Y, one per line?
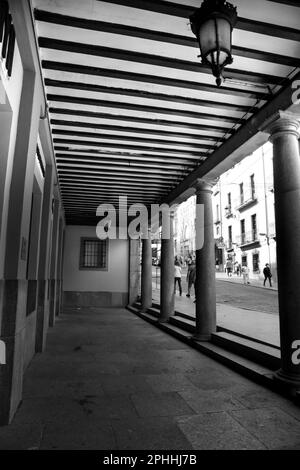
column 95, row 287
column 185, row 227
column 260, row 165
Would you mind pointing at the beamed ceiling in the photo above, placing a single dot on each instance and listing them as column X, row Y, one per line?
column 132, row 110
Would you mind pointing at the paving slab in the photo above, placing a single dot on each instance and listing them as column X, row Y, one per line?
column 21, row 437
column 87, row 436
column 100, row 409
column 272, row 426
column 212, row 378
column 170, row 382
column 39, row 388
column 124, row 384
column 208, row 400
column 49, row 409
column 150, row 434
column 160, row 404
column 217, row 431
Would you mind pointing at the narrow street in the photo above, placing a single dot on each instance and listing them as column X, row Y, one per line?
column 247, row 297
column 233, row 292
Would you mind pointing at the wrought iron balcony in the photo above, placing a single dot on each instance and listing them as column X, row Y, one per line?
column 244, row 204
column 248, row 238
column 228, row 212
column 229, row 245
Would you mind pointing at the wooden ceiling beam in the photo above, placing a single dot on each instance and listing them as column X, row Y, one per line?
column 149, row 121
column 145, row 108
column 160, row 36
column 89, row 87
column 226, row 89
column 169, row 144
column 134, row 130
column 152, row 59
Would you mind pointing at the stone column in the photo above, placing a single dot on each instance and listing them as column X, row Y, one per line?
column 59, row 268
column 134, row 270
column 43, row 269
column 205, row 285
column 146, row 272
column 53, row 263
column 167, row 301
column 284, row 131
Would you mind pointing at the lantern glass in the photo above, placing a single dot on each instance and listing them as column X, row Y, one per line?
column 215, row 40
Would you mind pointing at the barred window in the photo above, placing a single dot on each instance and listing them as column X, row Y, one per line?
column 93, row 253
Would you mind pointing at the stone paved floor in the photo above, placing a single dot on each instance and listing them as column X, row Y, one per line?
column 108, row 380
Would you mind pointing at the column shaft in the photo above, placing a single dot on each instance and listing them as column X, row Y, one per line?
column 146, row 273
column 43, row 270
column 134, row 270
column 286, row 161
column 205, row 285
column 59, row 268
column 53, row 263
column 167, row 300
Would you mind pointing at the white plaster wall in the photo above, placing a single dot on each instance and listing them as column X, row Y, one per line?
column 115, row 279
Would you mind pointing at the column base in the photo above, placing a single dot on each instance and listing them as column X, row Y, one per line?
column 201, row 338
column 288, row 382
column 163, row 320
column 145, row 309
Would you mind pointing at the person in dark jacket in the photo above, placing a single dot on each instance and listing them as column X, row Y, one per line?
column 191, row 277
column 267, row 274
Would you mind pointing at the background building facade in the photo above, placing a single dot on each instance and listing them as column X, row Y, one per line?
column 244, row 222
column 184, row 224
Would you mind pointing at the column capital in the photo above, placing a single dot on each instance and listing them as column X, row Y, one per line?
column 282, row 123
column 204, row 185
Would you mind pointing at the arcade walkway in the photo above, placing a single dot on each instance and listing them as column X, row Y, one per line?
column 108, row 380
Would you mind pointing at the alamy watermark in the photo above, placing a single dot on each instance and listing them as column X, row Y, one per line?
column 2, row 353
column 134, row 221
column 296, row 353
column 296, row 93
column 2, row 94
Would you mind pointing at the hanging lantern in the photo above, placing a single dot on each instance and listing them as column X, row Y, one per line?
column 212, row 25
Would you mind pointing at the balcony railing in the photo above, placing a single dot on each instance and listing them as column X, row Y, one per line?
column 228, row 212
column 229, row 245
column 242, row 204
column 248, row 238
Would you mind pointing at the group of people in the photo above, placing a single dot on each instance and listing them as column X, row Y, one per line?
column 191, row 274
column 190, row 277
column 244, row 271
column 231, row 268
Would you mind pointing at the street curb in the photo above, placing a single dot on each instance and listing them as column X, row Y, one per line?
column 252, row 285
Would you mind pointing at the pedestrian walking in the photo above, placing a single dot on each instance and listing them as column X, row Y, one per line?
column 177, row 276
column 267, row 274
column 245, row 273
column 229, row 267
column 191, row 277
